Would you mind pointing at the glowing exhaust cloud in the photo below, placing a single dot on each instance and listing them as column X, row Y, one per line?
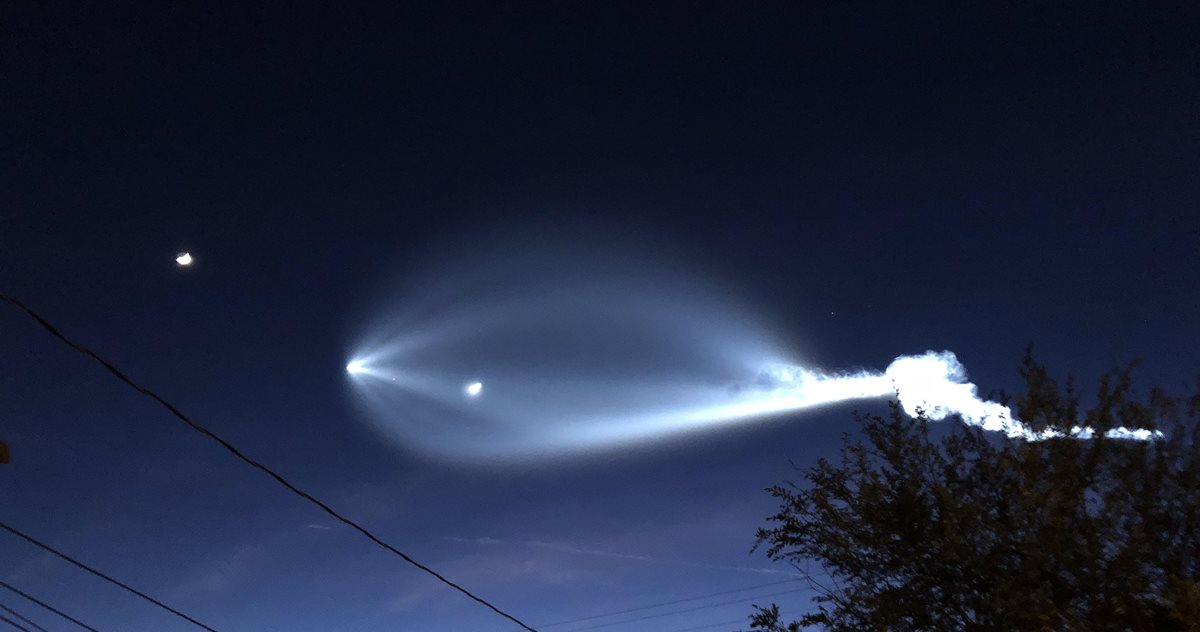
column 934, row 383
column 584, row 352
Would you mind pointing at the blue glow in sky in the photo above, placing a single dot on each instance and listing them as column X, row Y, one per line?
column 572, row 344
column 612, row 217
column 593, row 347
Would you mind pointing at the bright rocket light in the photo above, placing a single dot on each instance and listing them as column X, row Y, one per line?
column 586, row 352
column 933, row 384
column 184, row 259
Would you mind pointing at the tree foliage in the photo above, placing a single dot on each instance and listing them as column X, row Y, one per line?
column 968, row 530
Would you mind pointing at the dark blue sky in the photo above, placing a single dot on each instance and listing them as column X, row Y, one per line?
column 874, row 182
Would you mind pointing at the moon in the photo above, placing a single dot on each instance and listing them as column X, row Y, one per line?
column 184, row 259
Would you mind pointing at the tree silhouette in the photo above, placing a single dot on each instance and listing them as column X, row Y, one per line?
column 920, row 526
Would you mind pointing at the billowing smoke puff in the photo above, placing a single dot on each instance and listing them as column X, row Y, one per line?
column 934, row 383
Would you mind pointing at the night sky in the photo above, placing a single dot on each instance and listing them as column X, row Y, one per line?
column 865, row 183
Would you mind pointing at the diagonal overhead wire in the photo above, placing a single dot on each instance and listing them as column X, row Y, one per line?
column 47, row 606
column 14, row 624
column 23, row 618
column 249, row 461
column 46, row 547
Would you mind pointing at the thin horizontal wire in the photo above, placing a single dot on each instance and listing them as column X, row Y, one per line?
column 686, row 610
column 712, row 625
column 664, row 604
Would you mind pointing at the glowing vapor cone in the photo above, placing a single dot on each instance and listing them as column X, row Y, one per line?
column 587, row 349
column 514, row 423
column 590, row 346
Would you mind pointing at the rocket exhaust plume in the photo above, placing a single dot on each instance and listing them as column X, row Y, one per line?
column 935, row 384
column 535, row 350
column 516, row 424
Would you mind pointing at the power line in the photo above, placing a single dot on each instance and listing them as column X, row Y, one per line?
column 127, row 587
column 14, row 624
column 23, row 618
column 102, row 576
column 665, row 603
column 686, row 610
column 48, row 607
column 251, row 462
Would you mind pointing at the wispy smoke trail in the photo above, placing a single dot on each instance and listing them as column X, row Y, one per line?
column 934, row 383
